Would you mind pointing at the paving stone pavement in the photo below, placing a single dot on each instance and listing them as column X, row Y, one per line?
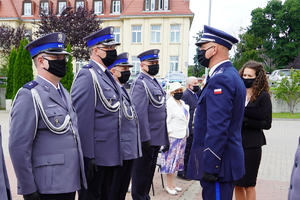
column 273, row 178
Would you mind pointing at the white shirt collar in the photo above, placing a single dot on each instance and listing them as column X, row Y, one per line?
column 211, row 71
column 101, row 66
column 58, row 87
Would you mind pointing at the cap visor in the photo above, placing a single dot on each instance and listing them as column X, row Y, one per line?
column 111, row 43
column 58, row 52
column 201, row 42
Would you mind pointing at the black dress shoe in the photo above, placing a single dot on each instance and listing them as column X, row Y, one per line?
column 183, row 177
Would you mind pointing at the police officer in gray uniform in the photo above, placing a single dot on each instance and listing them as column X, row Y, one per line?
column 5, row 193
column 149, row 100
column 130, row 134
column 44, row 144
column 97, row 100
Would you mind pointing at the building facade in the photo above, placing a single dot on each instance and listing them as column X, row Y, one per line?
column 139, row 25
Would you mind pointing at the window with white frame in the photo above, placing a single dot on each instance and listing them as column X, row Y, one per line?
column 117, row 34
column 61, row 6
column 79, row 4
column 136, row 65
column 173, row 63
column 116, row 7
column 152, row 5
column 45, row 8
column 136, row 34
column 147, row 4
column 155, row 33
column 175, row 33
column 98, row 7
column 166, row 4
column 27, row 9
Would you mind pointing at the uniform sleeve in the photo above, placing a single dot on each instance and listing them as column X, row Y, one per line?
column 266, row 110
column 83, row 97
column 141, row 103
column 22, row 131
column 219, row 98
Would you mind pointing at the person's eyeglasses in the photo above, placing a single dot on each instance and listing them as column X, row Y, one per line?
column 58, row 57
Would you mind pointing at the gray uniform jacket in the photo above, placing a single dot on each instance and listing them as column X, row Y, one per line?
column 43, row 160
column 4, row 183
column 130, row 133
column 294, row 190
column 98, row 126
column 152, row 119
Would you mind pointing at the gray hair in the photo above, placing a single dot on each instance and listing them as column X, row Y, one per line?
column 189, row 80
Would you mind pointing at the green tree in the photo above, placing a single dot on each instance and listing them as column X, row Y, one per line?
column 196, row 70
column 67, row 80
column 10, row 74
column 23, row 72
column 278, row 25
column 289, row 90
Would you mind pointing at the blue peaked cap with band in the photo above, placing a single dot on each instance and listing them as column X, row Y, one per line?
column 52, row 43
column 150, row 55
column 211, row 34
column 103, row 36
column 122, row 60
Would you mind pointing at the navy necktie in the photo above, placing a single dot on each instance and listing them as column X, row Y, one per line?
column 196, row 95
column 58, row 90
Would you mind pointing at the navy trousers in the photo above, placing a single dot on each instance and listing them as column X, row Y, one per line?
column 220, row 191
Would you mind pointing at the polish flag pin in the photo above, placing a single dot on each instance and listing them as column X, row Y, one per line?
column 218, row 91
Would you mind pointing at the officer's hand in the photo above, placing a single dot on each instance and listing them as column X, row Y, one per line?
column 91, row 169
column 32, row 196
column 145, row 145
column 209, row 177
column 166, row 148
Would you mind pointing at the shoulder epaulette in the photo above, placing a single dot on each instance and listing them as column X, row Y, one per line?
column 141, row 77
column 87, row 66
column 30, row 85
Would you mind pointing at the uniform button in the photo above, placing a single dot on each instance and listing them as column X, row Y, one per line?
column 296, row 164
column 48, row 161
column 217, row 167
column 291, row 187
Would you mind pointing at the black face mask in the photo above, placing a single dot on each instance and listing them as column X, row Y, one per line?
column 124, row 76
column 248, row 82
column 57, row 67
column 202, row 59
column 111, row 56
column 153, row 69
column 196, row 88
column 178, row 95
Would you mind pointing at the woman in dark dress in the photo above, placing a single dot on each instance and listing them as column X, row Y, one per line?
column 258, row 116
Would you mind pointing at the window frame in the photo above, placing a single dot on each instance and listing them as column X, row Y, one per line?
column 41, row 7
column 57, row 8
column 27, row 2
column 155, row 33
column 136, row 65
column 137, row 34
column 176, row 33
column 79, row 1
column 116, row 8
column 174, row 63
column 117, row 34
column 94, row 6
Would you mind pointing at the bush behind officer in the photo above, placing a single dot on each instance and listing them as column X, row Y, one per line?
column 149, row 100
column 44, row 144
column 130, row 134
column 218, row 120
column 97, row 100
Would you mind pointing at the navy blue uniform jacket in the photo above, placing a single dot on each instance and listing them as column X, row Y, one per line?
column 218, row 122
